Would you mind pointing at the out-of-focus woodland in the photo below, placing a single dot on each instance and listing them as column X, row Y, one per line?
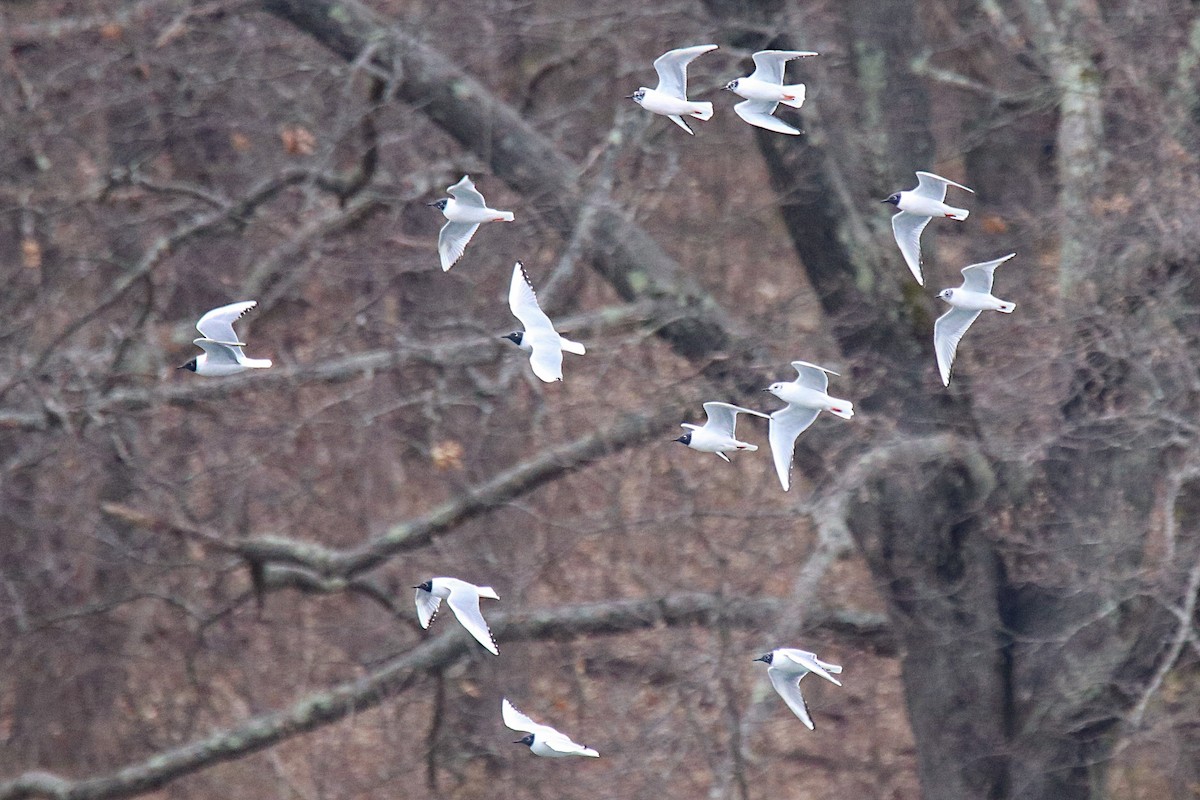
column 205, row 584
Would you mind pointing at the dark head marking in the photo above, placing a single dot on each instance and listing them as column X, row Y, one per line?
column 766, row 659
column 440, row 205
column 685, row 439
column 427, row 586
column 189, row 365
column 894, row 199
column 732, row 85
column 526, row 740
column 515, row 337
column 637, row 96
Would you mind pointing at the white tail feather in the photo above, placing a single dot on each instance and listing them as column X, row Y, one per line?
column 257, row 363
column 487, row 591
column 797, row 90
column 959, row 213
column 844, row 408
column 702, row 110
column 506, row 216
column 571, row 347
column 1007, row 308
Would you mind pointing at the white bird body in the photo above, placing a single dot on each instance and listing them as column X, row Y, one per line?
column 786, row 667
column 967, row 302
column 754, row 89
column 463, row 599
column 223, row 354
column 806, row 397
column 764, row 89
column 669, row 98
column 539, row 338
column 465, row 210
column 917, row 207
column 542, row 739
column 668, row 106
column 717, row 434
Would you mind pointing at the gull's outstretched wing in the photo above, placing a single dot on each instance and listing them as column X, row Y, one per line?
column 546, row 359
column 758, row 113
column 427, row 606
column 810, row 662
column 769, row 64
column 722, row 417
column 788, row 687
column 561, row 743
column 516, row 720
column 452, row 242
column 217, row 325
column 934, row 186
column 947, row 332
column 811, row 376
column 465, row 605
column 978, row 277
column 522, row 301
column 218, row 352
column 465, row 192
column 672, row 66
column 786, row 424
column 907, row 227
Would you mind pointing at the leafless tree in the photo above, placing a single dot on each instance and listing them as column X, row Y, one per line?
column 205, row 583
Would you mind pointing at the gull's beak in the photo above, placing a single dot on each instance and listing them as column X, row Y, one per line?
column 886, row 200
column 181, row 366
column 438, row 201
column 629, row 97
column 766, row 390
column 762, row 659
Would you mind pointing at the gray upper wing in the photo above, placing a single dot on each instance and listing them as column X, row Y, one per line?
column 934, row 186
column 217, row 325
column 978, row 277
column 810, row 376
column 218, row 352
column 769, row 64
column 672, row 65
column 465, row 192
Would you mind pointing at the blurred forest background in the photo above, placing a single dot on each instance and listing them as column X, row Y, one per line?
column 205, row 584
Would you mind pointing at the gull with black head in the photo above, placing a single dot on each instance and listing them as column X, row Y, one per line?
column 786, row 667
column 222, row 350
column 717, row 434
column 918, row 206
column 542, row 740
column 463, row 598
column 539, row 339
column 465, row 210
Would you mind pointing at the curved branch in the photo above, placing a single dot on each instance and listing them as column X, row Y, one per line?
column 322, row 708
column 514, row 482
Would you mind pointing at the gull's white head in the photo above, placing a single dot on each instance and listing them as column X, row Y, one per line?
column 946, row 294
column 732, row 85
column 775, row 388
column 639, row 95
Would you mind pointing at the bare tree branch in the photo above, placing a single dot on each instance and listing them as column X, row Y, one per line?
column 322, row 708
